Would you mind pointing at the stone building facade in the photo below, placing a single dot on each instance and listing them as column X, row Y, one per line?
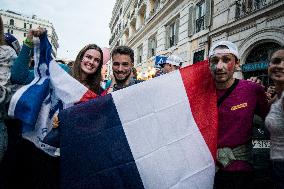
column 161, row 27
column 188, row 28
column 256, row 26
column 19, row 25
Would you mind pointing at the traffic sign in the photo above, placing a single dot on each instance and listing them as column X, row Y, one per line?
column 160, row 60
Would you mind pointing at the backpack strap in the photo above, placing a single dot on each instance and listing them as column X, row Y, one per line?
column 228, row 92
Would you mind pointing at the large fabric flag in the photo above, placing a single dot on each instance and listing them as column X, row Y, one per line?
column 159, row 133
column 52, row 89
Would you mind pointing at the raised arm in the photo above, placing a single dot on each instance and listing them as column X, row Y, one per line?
column 21, row 74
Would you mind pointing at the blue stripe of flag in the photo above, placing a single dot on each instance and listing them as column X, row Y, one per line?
column 29, row 104
column 103, row 157
column 45, row 52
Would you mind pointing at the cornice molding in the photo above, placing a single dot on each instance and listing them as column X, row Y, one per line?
column 234, row 25
column 152, row 22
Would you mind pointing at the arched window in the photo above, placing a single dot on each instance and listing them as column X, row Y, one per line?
column 257, row 61
column 12, row 22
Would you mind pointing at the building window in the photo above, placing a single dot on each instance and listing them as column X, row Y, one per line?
column 25, row 34
column 140, row 54
column 12, row 22
column 25, row 25
column 172, row 34
column 152, row 45
column 199, row 15
column 11, row 32
column 142, row 15
column 156, row 5
column 126, row 33
column 30, row 26
column 198, row 56
column 133, row 27
column 172, row 30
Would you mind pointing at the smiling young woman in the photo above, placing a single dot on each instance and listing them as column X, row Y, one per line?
column 87, row 67
column 275, row 118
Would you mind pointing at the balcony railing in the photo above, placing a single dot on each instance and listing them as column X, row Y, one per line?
column 246, row 7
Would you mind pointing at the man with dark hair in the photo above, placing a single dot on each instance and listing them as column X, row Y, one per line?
column 238, row 101
column 122, row 65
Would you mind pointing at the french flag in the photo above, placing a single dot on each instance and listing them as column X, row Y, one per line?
column 52, row 89
column 160, row 133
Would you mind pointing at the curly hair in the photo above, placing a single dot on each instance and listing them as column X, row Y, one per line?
column 93, row 80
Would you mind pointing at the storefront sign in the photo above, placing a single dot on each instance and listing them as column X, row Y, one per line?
column 254, row 66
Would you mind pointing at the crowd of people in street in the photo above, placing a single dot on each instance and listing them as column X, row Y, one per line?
column 25, row 165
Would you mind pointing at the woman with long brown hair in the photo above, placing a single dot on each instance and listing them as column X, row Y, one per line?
column 87, row 67
column 35, row 162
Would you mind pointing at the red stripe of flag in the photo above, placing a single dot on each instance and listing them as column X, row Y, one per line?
column 88, row 96
column 201, row 92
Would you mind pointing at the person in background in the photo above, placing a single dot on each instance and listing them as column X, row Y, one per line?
column 274, row 121
column 70, row 64
column 122, row 67
column 107, row 83
column 134, row 73
column 7, row 58
column 238, row 101
column 172, row 63
column 25, row 165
